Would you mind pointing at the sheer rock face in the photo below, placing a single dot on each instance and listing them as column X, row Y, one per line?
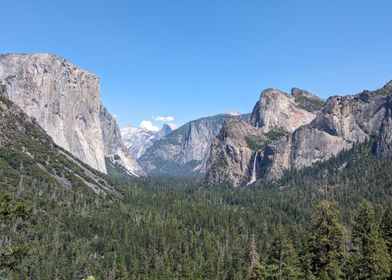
column 16, row 127
column 185, row 151
column 274, row 116
column 138, row 140
column 114, row 147
column 232, row 153
column 341, row 122
column 64, row 99
column 278, row 110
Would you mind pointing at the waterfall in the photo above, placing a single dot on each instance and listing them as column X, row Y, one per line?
column 253, row 178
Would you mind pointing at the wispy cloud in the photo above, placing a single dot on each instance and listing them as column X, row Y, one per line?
column 149, row 126
column 163, row 119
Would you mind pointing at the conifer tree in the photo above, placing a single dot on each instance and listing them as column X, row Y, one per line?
column 256, row 268
column 370, row 259
column 386, row 228
column 121, row 272
column 283, row 262
column 326, row 244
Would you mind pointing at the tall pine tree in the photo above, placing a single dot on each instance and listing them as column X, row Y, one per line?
column 256, row 268
column 283, row 261
column 326, row 244
column 370, row 259
column 386, row 228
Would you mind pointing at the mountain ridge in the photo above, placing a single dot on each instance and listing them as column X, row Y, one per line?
column 301, row 142
column 184, row 152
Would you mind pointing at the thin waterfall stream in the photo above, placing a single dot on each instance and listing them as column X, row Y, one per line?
column 253, row 178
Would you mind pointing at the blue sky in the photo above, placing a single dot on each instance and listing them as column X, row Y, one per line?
column 194, row 58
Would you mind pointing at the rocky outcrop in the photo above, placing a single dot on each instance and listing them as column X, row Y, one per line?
column 336, row 126
column 114, row 148
column 233, row 152
column 29, row 155
column 342, row 122
column 138, row 139
column 244, row 150
column 185, row 151
column 278, row 110
column 64, row 100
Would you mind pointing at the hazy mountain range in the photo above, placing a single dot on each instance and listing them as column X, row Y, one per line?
column 285, row 131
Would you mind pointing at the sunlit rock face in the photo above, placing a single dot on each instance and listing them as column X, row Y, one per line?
column 184, row 151
column 65, row 101
column 342, row 122
column 232, row 153
column 278, row 110
column 243, row 149
column 289, row 132
column 114, row 148
column 63, row 98
column 139, row 139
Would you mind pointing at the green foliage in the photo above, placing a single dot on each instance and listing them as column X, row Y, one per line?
column 121, row 272
column 275, row 134
column 370, row 259
column 326, row 244
column 283, row 261
column 386, row 229
column 172, row 228
column 14, row 214
column 255, row 144
column 10, row 210
column 309, row 104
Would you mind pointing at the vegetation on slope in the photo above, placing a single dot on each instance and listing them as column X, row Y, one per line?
column 311, row 224
column 173, row 229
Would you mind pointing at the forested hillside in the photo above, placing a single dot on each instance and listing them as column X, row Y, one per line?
column 331, row 221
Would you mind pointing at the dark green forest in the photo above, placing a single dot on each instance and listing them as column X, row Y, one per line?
column 331, row 221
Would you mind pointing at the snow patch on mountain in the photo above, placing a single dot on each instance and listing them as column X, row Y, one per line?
column 139, row 139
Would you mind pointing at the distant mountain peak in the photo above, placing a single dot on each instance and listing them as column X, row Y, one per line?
column 233, row 113
column 171, row 125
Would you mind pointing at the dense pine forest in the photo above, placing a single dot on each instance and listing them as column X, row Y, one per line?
column 331, row 221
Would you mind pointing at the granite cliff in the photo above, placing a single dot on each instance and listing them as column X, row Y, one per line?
column 139, row 139
column 237, row 152
column 65, row 102
column 290, row 132
column 185, row 151
column 114, row 148
column 29, row 157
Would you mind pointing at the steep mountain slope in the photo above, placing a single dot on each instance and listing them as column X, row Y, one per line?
column 185, row 151
column 138, row 139
column 29, row 157
column 65, row 101
column 238, row 150
column 278, row 110
column 115, row 150
column 340, row 123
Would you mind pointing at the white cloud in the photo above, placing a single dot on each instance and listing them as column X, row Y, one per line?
column 163, row 119
column 149, row 126
column 233, row 113
column 172, row 126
